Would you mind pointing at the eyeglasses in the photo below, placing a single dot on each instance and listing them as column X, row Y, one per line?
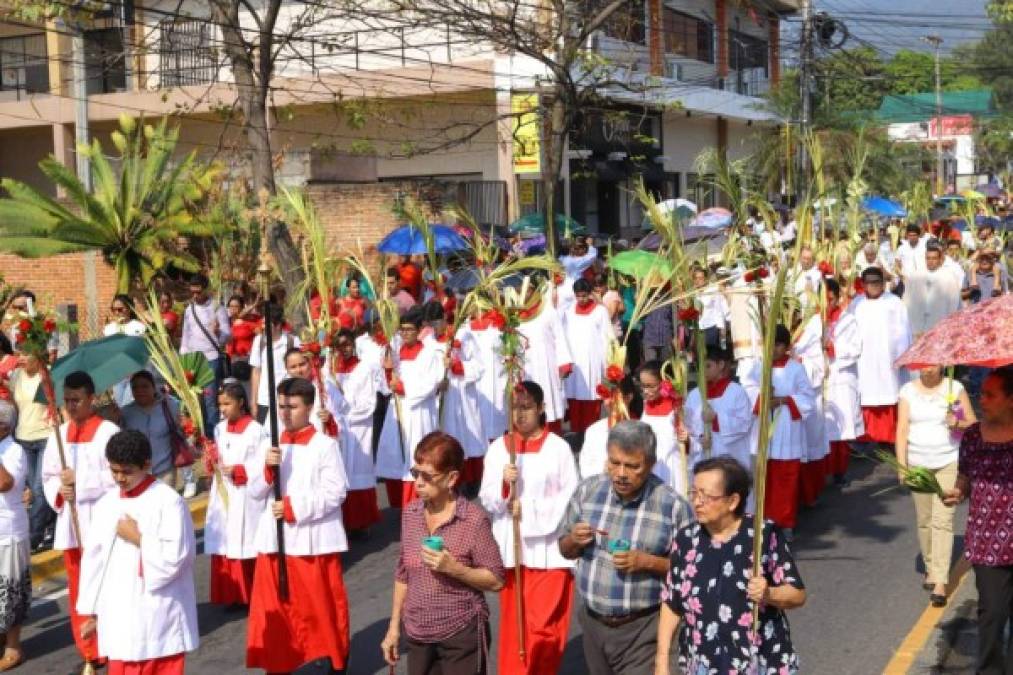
column 118, row 309
column 20, row 308
column 695, row 495
column 427, row 477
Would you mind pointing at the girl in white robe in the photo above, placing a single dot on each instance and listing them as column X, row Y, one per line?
column 588, row 329
column 809, row 350
column 732, row 415
column 547, row 359
column 662, row 414
column 229, row 530
column 491, row 384
column 842, row 411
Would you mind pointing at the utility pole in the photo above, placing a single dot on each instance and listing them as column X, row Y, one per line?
column 83, row 166
column 936, row 41
column 805, row 75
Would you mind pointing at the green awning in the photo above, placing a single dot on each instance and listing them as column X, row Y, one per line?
column 919, row 107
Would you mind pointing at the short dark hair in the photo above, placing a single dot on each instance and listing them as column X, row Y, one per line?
column 733, row 475
column 582, row 286
column 236, row 297
column 79, row 380
column 143, row 375
column 913, row 228
column 782, row 336
column 198, row 280
column 393, row 272
column 129, row 447
column 236, row 391
column 933, row 247
column 872, row 272
column 442, row 450
column 345, row 333
column 831, row 285
column 433, row 311
column 290, row 352
column 412, row 317
column 300, row 388
column 717, row 354
column 652, row 367
column 25, row 293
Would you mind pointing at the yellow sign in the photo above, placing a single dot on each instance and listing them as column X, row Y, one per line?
column 527, row 193
column 527, row 133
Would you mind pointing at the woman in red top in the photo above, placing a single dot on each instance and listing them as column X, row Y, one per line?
column 169, row 315
column 352, row 307
column 245, row 324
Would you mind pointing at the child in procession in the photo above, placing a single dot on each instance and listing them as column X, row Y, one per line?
column 229, row 529
column 728, row 414
column 312, row 622
column 137, row 576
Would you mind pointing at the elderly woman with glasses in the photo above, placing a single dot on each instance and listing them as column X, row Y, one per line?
column 447, row 562
column 710, row 593
column 15, row 557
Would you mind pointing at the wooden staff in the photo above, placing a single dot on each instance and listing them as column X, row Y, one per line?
column 272, row 407
column 54, row 415
column 518, row 586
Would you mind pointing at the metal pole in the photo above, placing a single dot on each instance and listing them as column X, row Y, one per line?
column 805, row 121
column 83, row 167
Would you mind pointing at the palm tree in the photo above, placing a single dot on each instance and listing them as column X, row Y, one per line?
column 138, row 216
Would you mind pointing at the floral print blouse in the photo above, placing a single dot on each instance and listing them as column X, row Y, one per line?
column 706, row 586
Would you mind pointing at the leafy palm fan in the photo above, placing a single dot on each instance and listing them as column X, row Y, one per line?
column 197, row 370
column 917, row 201
column 728, row 178
column 135, row 216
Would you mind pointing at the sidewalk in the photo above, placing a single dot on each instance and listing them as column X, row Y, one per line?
column 49, row 564
column 953, row 643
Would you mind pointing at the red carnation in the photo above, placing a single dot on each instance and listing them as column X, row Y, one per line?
column 763, row 273
column 666, row 390
column 603, row 392
column 49, row 326
column 190, row 377
column 749, row 277
column 614, row 373
column 312, row 347
column 825, row 269
column 20, row 338
column 187, row 426
column 497, row 319
column 24, row 325
column 689, row 315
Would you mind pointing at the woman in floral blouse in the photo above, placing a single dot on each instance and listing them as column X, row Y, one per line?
column 710, row 594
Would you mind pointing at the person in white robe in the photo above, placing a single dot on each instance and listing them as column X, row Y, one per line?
column 312, row 622
column 809, row 350
column 299, row 363
column 490, row 388
column 910, row 254
column 594, row 450
column 715, row 313
column 588, row 329
column 137, row 573
column 547, row 359
column 792, row 399
column 230, row 526
column 930, row 294
column 84, row 482
column 413, row 374
column 884, row 334
column 806, row 279
column 581, row 256
column 663, row 413
column 537, row 486
column 743, row 308
column 729, row 415
column 358, row 382
column 842, row 410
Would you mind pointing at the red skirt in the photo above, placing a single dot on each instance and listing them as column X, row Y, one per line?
column 840, row 454
column 555, row 427
column 166, row 665
column 582, row 414
column 813, row 479
column 231, row 580
column 312, row 624
column 548, row 601
column 400, row 493
column 474, row 467
column 360, row 509
column 780, row 503
column 88, row 648
column 880, row 423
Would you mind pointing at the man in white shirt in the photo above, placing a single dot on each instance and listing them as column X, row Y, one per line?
column 283, row 341
column 911, row 252
column 807, row 279
column 206, row 329
column 930, row 294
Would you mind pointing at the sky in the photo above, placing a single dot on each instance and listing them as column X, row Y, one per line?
column 890, row 25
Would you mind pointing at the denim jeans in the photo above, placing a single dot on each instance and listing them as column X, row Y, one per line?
column 210, row 398
column 40, row 515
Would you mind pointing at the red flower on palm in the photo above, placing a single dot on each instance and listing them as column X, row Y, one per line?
column 24, row 325
column 603, row 392
column 614, row 373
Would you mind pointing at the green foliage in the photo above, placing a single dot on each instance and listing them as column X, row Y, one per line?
column 991, row 58
column 137, row 215
column 994, row 143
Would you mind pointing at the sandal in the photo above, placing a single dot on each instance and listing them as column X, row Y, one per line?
column 937, row 600
column 11, row 659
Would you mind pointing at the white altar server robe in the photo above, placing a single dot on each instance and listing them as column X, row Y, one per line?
column 545, row 350
column 588, row 336
column 420, row 377
column 231, row 531
column 884, row 334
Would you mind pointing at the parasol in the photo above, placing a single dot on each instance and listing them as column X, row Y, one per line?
column 108, row 361
column 409, row 240
column 713, row 218
column 640, row 264
column 682, row 209
column 884, row 207
column 534, row 223
column 979, row 335
column 990, row 190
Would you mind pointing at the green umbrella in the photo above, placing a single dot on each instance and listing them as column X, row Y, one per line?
column 639, row 264
column 534, row 223
column 108, row 360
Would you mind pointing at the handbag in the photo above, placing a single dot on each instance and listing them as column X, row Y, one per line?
column 183, row 452
column 223, row 358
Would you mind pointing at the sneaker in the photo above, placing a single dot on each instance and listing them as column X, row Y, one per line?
column 189, row 490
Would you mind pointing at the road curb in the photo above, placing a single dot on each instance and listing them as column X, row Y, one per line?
column 49, row 564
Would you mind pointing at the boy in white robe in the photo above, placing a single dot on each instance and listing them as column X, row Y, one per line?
column 930, row 294
column 663, row 413
column 594, row 451
column 547, row 360
column 413, row 374
column 842, row 410
column 358, row 383
column 324, row 416
column 312, row 621
column 792, row 398
column 229, row 530
column 84, row 482
column 728, row 414
column 486, row 327
column 589, row 331
column 137, row 584
column 809, row 350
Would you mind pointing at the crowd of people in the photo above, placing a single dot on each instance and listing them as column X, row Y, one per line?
column 544, row 490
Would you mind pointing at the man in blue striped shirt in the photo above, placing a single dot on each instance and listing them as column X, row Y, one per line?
column 619, row 527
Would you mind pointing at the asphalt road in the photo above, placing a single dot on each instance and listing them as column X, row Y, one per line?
column 857, row 552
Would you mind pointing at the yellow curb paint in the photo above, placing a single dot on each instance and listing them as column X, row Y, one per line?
column 49, row 564
column 919, row 634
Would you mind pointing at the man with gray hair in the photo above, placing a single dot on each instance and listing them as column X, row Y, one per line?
column 619, row 526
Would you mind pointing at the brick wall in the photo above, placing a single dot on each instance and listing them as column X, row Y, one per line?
column 61, row 280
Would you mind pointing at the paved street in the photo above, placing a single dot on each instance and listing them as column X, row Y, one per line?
column 857, row 553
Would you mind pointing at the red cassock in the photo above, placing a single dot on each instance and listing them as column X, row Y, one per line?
column 782, row 492
column 87, row 647
column 312, row 624
column 840, row 454
column 582, row 414
column 548, row 601
column 231, row 580
column 880, row 423
column 474, row 468
column 167, row 665
column 360, row 510
column 400, row 493
column 813, row 479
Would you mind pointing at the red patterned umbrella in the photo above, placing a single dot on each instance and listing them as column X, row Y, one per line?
column 979, row 335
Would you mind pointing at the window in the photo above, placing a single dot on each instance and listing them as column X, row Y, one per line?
column 105, row 65
column 185, row 54
column 746, row 51
column 24, row 64
column 626, row 23
column 688, row 36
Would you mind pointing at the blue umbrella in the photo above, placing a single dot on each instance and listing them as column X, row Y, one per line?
column 884, row 207
column 989, row 221
column 408, row 240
